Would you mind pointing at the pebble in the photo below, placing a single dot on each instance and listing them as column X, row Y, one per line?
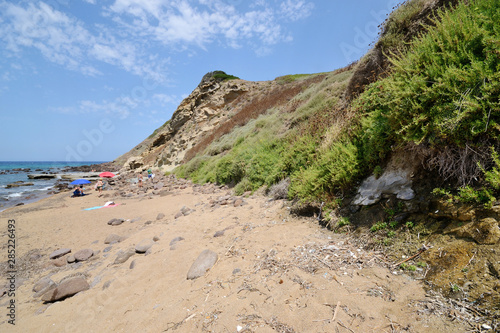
column 113, row 238
column 202, row 264
column 84, row 254
column 59, row 253
column 116, row 221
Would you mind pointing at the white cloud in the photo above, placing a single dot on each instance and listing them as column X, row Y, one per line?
column 296, row 10
column 133, row 35
column 66, row 41
column 181, row 23
column 165, row 99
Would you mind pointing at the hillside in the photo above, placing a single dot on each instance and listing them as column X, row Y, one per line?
column 399, row 149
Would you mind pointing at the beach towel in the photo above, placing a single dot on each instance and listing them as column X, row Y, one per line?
column 105, row 206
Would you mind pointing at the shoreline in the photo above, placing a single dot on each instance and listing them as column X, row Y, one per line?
column 54, row 180
column 272, row 269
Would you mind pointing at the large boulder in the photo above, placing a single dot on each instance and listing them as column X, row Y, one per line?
column 66, row 288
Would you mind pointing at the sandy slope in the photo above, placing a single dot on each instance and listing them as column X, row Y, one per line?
column 275, row 273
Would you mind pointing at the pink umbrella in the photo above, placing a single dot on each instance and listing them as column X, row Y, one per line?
column 106, row 174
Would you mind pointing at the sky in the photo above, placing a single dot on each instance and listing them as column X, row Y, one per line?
column 87, row 80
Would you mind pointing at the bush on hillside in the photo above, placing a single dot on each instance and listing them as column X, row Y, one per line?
column 444, row 90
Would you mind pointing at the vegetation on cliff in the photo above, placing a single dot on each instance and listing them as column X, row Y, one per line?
column 440, row 94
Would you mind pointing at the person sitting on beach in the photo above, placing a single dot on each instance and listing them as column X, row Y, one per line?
column 76, row 192
column 81, row 190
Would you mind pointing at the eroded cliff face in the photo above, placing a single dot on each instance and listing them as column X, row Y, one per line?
column 209, row 105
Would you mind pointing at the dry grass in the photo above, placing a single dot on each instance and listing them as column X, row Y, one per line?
column 277, row 97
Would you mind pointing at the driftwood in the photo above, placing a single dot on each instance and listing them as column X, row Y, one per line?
column 422, row 249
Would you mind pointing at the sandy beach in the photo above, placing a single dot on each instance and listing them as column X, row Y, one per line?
column 273, row 272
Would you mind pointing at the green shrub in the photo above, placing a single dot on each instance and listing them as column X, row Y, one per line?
column 343, row 221
column 407, row 267
column 334, row 169
column 444, row 90
column 492, row 176
column 378, row 226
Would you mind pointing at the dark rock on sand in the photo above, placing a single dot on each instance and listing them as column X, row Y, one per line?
column 160, row 216
column 219, row 233
column 116, row 221
column 202, row 264
column 59, row 253
column 144, row 245
column 84, row 254
column 66, row 288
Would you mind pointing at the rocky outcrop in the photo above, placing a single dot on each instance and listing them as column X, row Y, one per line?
column 396, row 182
column 209, row 105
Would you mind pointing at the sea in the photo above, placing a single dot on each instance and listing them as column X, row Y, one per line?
column 13, row 172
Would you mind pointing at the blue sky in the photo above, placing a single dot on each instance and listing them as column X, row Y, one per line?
column 88, row 80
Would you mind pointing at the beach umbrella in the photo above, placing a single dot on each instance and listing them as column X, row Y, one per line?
column 106, row 174
column 80, row 181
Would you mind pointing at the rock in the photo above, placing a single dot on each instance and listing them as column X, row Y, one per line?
column 396, row 182
column 156, row 238
column 123, row 256
column 132, row 264
column 70, row 259
column 179, row 214
column 59, row 253
column 113, row 238
column 134, row 162
column 115, row 221
column 175, row 240
column 107, row 249
column 144, row 245
column 59, row 262
column 18, row 184
column 158, row 186
column 43, row 284
column 238, row 202
column 84, row 254
column 160, row 216
column 202, row 264
column 67, row 288
column 219, row 233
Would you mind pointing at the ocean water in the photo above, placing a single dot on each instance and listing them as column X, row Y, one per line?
column 12, row 172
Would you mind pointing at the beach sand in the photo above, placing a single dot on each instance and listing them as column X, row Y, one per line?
column 274, row 273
